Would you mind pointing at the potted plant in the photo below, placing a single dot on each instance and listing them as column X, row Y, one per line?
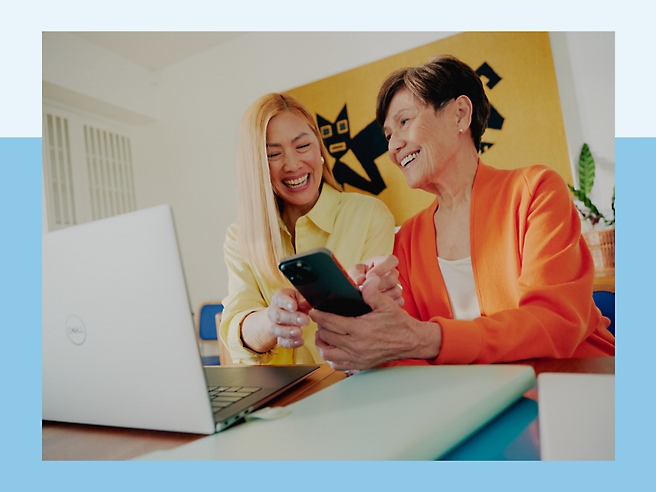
column 599, row 230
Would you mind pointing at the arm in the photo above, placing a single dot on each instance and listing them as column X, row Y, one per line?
column 257, row 318
column 534, row 280
column 245, row 297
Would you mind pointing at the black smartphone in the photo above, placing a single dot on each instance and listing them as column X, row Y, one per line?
column 324, row 283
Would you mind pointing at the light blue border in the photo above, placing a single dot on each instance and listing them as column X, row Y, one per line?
column 20, row 305
column 20, row 356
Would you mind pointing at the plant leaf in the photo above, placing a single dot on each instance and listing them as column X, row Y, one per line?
column 586, row 170
column 591, row 213
column 612, row 204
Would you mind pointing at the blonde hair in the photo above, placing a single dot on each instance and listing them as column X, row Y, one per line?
column 258, row 234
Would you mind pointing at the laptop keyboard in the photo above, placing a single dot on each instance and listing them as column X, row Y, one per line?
column 224, row 396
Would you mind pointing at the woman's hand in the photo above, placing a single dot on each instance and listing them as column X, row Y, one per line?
column 281, row 323
column 383, row 267
column 287, row 314
column 386, row 334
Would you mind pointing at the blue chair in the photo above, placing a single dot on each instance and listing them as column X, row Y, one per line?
column 605, row 301
column 207, row 331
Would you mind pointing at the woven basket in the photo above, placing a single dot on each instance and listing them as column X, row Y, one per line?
column 602, row 247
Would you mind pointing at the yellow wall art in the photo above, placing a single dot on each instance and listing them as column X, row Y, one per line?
column 525, row 127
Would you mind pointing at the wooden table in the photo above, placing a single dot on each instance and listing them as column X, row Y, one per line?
column 63, row 441
column 605, row 281
column 594, row 365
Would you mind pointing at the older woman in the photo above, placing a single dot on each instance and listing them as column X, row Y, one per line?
column 495, row 269
column 289, row 202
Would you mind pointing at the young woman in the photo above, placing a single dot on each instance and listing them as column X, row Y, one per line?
column 289, row 202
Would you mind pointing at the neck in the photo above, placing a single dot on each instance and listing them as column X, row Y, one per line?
column 453, row 188
column 290, row 213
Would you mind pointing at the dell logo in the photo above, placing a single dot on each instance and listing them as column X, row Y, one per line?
column 75, row 329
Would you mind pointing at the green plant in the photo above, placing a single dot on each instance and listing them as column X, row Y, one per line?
column 586, row 208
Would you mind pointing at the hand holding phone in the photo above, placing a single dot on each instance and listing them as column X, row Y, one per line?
column 324, row 283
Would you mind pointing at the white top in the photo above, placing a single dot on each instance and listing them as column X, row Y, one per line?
column 459, row 280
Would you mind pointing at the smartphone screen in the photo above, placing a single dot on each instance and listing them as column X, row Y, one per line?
column 324, row 283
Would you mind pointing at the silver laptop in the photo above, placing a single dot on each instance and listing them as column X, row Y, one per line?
column 119, row 344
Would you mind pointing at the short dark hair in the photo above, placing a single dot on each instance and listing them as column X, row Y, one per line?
column 438, row 82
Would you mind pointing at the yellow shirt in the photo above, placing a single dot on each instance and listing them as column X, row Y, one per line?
column 353, row 226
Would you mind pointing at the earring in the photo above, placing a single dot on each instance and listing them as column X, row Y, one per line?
column 460, row 131
column 322, row 160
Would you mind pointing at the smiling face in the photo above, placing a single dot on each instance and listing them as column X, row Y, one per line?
column 421, row 141
column 294, row 156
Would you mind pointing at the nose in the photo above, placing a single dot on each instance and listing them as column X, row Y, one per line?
column 394, row 145
column 291, row 162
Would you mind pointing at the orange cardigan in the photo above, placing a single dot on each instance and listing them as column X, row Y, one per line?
column 532, row 269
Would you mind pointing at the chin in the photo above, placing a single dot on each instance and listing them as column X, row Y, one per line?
column 417, row 178
column 301, row 199
column 411, row 181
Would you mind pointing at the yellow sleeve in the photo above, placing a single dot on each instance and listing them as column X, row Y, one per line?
column 245, row 296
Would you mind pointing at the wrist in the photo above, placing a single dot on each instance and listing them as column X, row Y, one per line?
column 428, row 340
column 254, row 332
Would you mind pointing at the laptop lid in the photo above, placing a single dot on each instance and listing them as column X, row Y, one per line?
column 118, row 337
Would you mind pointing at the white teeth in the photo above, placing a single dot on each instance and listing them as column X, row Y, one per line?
column 409, row 158
column 297, row 183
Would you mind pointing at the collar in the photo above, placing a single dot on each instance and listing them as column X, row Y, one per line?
column 323, row 213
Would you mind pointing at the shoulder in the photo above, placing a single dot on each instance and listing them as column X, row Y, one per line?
column 533, row 175
column 355, row 198
column 231, row 234
column 527, row 179
column 359, row 201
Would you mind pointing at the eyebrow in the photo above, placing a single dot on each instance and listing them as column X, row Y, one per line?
column 294, row 140
column 392, row 118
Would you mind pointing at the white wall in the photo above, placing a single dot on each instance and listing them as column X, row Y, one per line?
column 585, row 69
column 185, row 118
column 81, row 74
